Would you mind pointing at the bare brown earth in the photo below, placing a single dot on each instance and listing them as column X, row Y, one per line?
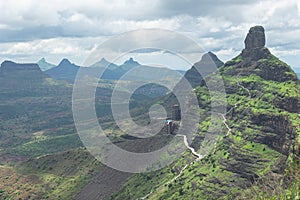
column 106, row 183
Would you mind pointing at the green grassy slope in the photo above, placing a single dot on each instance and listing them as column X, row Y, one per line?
column 57, row 176
column 263, row 98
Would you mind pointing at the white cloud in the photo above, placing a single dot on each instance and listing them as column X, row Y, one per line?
column 76, row 49
column 283, row 52
column 226, row 54
column 298, row 6
column 34, row 12
column 58, row 28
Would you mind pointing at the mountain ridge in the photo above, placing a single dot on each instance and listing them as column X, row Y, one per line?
column 258, row 140
column 257, row 143
column 65, row 70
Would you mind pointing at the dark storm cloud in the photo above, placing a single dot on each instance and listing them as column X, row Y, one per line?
column 81, row 21
column 203, row 7
column 30, row 33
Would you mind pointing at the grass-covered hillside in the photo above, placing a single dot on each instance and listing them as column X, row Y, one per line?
column 257, row 154
column 57, row 176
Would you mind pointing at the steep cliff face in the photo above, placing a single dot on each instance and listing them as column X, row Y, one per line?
column 260, row 129
column 256, row 38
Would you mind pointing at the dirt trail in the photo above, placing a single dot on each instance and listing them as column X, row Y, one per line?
column 199, row 157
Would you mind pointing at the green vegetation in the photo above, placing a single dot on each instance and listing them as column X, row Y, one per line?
column 261, row 111
column 57, row 176
column 40, row 151
column 256, row 155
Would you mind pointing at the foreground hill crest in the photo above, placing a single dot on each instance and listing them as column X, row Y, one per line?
column 258, row 139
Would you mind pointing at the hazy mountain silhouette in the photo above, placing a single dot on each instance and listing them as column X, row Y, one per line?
column 44, row 65
column 64, row 71
column 207, row 65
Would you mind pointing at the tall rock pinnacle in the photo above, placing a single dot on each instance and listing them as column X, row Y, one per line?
column 255, row 38
column 255, row 44
column 257, row 59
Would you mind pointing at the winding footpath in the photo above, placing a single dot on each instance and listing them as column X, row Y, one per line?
column 249, row 93
column 198, row 156
column 225, row 120
column 235, row 106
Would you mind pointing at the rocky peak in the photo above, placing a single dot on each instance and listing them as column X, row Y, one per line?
column 207, row 65
column 130, row 61
column 103, row 60
column 65, row 62
column 210, row 59
column 255, row 38
column 104, row 63
column 44, row 65
column 255, row 45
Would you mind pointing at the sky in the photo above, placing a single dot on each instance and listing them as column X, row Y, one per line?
column 57, row 29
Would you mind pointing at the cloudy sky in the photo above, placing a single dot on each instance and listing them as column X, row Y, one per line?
column 32, row 29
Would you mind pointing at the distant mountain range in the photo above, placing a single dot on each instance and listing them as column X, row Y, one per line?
column 67, row 71
column 39, row 78
column 33, row 78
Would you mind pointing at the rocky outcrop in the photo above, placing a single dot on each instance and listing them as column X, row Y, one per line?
column 276, row 132
column 132, row 62
column 290, row 104
column 254, row 44
column 256, row 38
column 257, row 59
